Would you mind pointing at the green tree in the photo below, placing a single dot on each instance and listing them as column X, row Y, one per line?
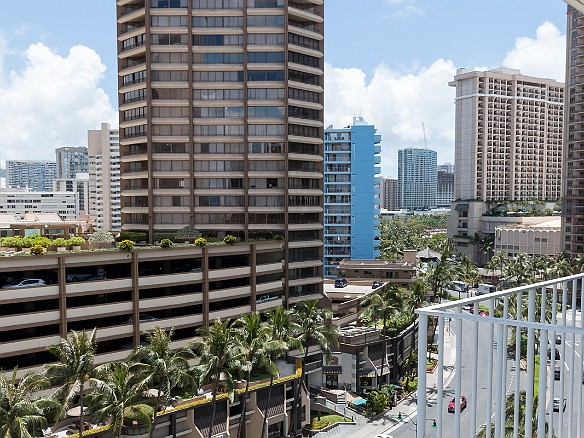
column 21, row 415
column 73, row 370
column 220, row 354
column 382, row 306
column 117, row 393
column 165, row 368
column 254, row 337
column 466, row 270
column 279, row 321
column 311, row 326
column 416, row 298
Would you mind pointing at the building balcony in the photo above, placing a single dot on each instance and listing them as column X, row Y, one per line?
column 488, row 361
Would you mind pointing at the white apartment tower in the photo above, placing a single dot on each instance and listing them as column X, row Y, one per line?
column 104, row 177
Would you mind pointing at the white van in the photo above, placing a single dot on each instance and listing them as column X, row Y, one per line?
column 484, row 289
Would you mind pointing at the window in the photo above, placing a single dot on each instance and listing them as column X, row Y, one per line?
column 305, row 78
column 136, row 113
column 267, row 111
column 265, row 57
column 217, row 40
column 170, row 112
column 169, row 148
column 168, row 3
column 170, row 20
column 217, row 21
column 266, row 93
column 298, row 58
column 303, row 41
column 266, row 39
column 134, row 78
column 267, row 130
column 169, row 58
column 218, row 94
column 303, row 113
column 304, row 131
column 219, row 148
column 218, row 76
column 306, row 96
column 165, row 39
column 170, row 93
column 212, row 130
column 265, row 3
column 135, row 131
column 213, row 112
column 219, row 183
column 266, row 148
column 217, row 4
column 218, row 58
column 133, row 96
column 265, row 75
column 170, row 76
column 218, row 166
column 265, row 21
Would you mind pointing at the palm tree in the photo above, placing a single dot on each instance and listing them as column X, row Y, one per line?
column 466, row 270
column 439, row 276
column 382, row 306
column 279, row 320
column 20, row 415
column 311, row 325
column 219, row 354
column 164, row 368
column 257, row 345
column 117, row 392
column 417, row 296
column 74, row 369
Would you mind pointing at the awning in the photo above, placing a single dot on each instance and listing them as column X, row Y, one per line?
column 332, row 369
column 461, row 207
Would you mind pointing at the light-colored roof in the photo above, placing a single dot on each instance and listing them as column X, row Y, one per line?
column 7, row 218
column 42, row 217
column 428, row 254
column 555, row 223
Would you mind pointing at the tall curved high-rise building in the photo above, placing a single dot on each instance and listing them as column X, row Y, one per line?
column 221, row 123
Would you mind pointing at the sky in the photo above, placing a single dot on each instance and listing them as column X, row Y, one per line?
column 389, row 61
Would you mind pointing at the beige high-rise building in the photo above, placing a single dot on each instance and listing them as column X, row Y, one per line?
column 508, row 136
column 104, row 177
column 508, row 147
column 221, row 123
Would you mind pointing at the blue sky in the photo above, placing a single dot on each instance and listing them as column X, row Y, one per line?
column 389, row 60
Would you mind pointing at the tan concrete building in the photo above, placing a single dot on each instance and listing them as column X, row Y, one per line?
column 221, row 123
column 534, row 239
column 509, row 130
column 104, row 178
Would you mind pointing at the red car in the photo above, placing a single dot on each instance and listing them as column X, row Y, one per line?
column 452, row 406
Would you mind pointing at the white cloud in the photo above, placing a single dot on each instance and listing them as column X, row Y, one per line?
column 406, row 7
column 396, row 104
column 542, row 56
column 52, row 102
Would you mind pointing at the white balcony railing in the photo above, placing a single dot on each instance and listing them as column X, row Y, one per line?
column 497, row 371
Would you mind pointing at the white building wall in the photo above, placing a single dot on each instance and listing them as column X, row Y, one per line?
column 66, row 204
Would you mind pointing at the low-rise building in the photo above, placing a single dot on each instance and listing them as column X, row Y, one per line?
column 401, row 272
column 544, row 238
column 124, row 294
column 20, row 202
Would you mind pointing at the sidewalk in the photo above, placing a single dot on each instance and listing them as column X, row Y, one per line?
column 409, row 405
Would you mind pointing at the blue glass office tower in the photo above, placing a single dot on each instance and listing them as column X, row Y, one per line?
column 352, row 194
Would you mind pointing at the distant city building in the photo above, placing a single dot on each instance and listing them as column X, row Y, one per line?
column 446, row 167
column 352, row 194
column 417, row 179
column 35, row 175
column 20, row 202
column 508, row 147
column 445, row 189
column 71, row 161
column 389, row 194
column 79, row 185
column 104, row 177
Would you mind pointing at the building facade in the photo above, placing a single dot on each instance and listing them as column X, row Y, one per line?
column 573, row 184
column 417, row 179
column 79, row 185
column 389, row 194
column 18, row 203
column 444, row 188
column 352, row 194
column 34, row 175
column 71, row 161
column 534, row 239
column 508, row 147
column 221, row 123
column 104, row 178
column 508, row 136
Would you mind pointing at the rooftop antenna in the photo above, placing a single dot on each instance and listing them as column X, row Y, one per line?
column 424, row 130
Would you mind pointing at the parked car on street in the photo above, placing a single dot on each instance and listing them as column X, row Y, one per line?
column 375, row 284
column 484, row 289
column 452, row 404
column 24, row 282
column 340, row 282
column 556, row 354
column 557, row 372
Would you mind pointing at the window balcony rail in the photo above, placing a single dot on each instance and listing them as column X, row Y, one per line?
column 506, row 329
